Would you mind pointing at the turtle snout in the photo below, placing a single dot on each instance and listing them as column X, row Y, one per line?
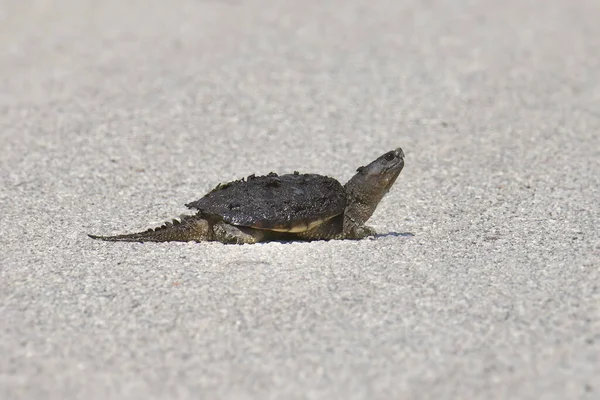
column 399, row 153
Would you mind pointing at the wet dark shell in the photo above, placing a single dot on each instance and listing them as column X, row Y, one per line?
column 286, row 203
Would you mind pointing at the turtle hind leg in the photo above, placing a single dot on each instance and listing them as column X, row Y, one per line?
column 229, row 234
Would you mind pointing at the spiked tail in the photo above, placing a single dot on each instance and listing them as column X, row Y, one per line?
column 190, row 228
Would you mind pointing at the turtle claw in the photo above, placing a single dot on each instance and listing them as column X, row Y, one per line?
column 364, row 231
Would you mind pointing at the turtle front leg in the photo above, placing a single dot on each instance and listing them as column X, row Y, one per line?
column 229, row 234
column 360, row 232
column 354, row 229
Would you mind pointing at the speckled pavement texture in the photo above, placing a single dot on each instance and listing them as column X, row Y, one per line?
column 483, row 284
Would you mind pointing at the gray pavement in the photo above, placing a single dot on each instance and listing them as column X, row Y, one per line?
column 484, row 283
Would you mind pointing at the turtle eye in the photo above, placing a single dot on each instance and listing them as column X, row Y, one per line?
column 390, row 156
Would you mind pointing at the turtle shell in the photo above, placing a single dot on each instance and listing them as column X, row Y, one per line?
column 286, row 203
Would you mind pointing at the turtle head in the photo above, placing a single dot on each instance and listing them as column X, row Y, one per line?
column 366, row 189
column 380, row 175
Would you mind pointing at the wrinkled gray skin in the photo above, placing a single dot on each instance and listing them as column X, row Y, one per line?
column 348, row 208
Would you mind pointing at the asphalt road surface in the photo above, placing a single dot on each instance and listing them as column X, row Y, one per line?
column 484, row 282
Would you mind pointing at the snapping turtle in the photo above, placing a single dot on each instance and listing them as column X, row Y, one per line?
column 282, row 207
